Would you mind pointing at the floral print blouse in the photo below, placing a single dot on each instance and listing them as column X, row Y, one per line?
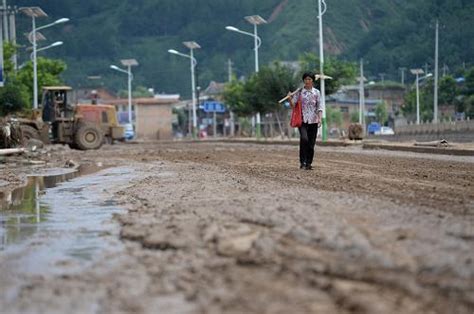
column 311, row 104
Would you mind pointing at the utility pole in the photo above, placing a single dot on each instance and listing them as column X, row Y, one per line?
column 426, row 67
column 445, row 69
column 382, row 75
column 417, row 72
column 229, row 69
column 403, row 75
column 231, row 113
column 321, row 68
column 361, row 95
column 435, row 100
column 12, row 22
column 5, row 20
column 1, row 52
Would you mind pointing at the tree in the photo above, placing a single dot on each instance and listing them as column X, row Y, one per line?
column 17, row 93
column 342, row 72
column 409, row 107
column 334, row 117
column 273, row 83
column 234, row 98
column 48, row 70
column 250, row 94
column 14, row 95
column 381, row 113
column 465, row 101
column 9, row 49
column 261, row 92
column 182, row 119
column 426, row 102
column 12, row 99
column 468, row 106
column 465, row 104
column 469, row 84
column 355, row 117
column 447, row 90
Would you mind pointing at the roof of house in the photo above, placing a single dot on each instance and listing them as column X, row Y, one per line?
column 214, row 88
column 95, row 106
column 147, row 100
column 167, row 96
column 352, row 101
column 57, row 87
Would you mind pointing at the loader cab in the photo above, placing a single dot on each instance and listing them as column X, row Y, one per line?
column 56, row 103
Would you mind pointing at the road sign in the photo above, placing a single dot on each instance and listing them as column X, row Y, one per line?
column 213, row 106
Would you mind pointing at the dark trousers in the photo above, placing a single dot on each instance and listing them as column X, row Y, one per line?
column 308, row 133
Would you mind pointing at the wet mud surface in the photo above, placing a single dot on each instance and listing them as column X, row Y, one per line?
column 238, row 228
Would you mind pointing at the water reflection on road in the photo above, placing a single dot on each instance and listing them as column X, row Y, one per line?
column 60, row 217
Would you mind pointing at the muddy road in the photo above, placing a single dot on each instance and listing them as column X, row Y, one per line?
column 238, row 228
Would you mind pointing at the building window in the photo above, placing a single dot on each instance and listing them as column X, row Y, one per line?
column 344, row 109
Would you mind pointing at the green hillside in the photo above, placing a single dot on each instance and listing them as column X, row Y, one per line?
column 388, row 34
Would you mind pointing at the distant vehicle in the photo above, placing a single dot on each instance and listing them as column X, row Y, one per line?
column 80, row 126
column 202, row 134
column 334, row 132
column 129, row 133
column 202, row 131
column 385, row 130
column 373, row 128
column 104, row 116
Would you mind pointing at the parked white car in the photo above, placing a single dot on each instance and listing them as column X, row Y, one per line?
column 129, row 133
column 385, row 130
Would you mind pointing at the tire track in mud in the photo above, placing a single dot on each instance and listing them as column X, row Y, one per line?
column 438, row 184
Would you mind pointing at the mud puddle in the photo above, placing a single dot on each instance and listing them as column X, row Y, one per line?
column 61, row 219
column 21, row 209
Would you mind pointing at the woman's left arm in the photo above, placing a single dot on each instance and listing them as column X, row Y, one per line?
column 319, row 111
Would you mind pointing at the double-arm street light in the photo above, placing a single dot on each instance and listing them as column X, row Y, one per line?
column 321, row 12
column 435, row 98
column 128, row 63
column 35, row 12
column 417, row 73
column 55, row 44
column 362, row 79
column 254, row 20
column 191, row 45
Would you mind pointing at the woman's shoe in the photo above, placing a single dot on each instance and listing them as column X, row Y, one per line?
column 308, row 167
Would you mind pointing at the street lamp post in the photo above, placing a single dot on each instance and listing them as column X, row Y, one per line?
column 435, row 98
column 128, row 63
column 254, row 20
column 55, row 44
column 321, row 67
column 191, row 45
column 35, row 12
column 417, row 72
column 362, row 95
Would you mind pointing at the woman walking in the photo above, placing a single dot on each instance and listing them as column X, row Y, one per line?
column 312, row 112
